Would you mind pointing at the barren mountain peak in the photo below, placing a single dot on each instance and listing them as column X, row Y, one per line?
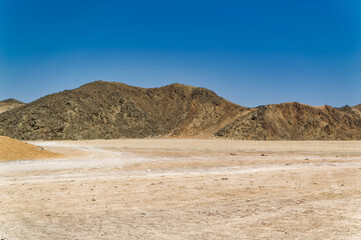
column 113, row 110
column 103, row 109
column 10, row 104
column 10, row 100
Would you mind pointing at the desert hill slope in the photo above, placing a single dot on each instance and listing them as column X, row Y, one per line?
column 295, row 121
column 357, row 107
column 9, row 104
column 115, row 110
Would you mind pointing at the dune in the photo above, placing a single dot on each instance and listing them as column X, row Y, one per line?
column 11, row 149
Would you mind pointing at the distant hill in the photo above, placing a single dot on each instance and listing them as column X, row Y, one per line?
column 295, row 121
column 9, row 104
column 115, row 110
column 358, row 107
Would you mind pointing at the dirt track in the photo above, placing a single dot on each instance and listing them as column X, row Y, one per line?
column 184, row 189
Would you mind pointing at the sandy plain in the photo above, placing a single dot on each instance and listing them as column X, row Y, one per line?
column 184, row 189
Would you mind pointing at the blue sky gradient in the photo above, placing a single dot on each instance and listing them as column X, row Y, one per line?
column 251, row 52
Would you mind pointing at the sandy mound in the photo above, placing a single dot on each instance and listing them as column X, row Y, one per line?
column 11, row 149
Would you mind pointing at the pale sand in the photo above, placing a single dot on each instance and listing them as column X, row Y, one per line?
column 184, row 189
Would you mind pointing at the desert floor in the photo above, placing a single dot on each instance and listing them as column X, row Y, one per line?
column 184, row 189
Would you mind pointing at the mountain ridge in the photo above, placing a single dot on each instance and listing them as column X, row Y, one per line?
column 106, row 110
column 114, row 110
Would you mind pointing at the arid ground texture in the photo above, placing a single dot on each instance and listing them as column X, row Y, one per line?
column 184, row 189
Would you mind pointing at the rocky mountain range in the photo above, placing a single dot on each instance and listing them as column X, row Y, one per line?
column 114, row 110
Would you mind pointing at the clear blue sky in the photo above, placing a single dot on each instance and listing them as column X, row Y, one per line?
column 250, row 52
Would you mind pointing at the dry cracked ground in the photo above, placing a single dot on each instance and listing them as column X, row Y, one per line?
column 184, row 189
